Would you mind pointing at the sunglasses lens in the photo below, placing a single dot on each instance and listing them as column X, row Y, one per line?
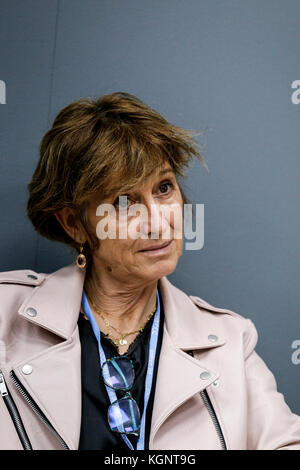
column 118, row 373
column 124, row 416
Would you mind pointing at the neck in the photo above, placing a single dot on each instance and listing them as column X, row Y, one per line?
column 125, row 306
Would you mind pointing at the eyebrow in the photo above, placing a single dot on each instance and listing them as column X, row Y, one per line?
column 166, row 170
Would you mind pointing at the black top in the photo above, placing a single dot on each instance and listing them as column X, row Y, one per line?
column 95, row 433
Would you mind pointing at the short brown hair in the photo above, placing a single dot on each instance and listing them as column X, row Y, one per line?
column 89, row 141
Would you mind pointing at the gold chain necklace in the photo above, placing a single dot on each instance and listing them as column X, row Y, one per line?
column 121, row 341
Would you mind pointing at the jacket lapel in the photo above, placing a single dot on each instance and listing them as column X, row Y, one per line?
column 180, row 375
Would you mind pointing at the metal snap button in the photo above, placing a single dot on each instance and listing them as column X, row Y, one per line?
column 31, row 312
column 216, row 383
column 205, row 375
column 27, row 369
column 32, row 276
column 213, row 338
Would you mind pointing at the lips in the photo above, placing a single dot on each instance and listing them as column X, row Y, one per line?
column 157, row 247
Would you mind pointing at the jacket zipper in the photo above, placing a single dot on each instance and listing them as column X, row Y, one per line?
column 212, row 414
column 214, row 418
column 36, row 409
column 14, row 414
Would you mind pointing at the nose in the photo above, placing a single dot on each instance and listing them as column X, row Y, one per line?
column 156, row 225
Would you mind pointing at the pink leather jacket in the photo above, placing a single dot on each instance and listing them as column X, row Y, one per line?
column 223, row 397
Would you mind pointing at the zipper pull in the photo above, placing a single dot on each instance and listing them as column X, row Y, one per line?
column 3, row 388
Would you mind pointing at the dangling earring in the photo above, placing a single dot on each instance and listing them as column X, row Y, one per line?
column 81, row 259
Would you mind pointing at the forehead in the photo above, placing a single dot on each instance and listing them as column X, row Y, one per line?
column 166, row 169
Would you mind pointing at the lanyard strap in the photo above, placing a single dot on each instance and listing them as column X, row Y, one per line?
column 150, row 369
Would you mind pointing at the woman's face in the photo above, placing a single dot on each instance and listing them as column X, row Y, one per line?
column 125, row 253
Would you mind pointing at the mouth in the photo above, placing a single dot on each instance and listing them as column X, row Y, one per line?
column 158, row 249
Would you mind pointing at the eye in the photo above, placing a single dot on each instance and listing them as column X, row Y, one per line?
column 166, row 184
column 122, row 203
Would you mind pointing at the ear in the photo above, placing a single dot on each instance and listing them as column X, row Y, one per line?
column 68, row 220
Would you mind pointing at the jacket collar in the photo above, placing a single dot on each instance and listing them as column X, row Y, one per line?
column 57, row 299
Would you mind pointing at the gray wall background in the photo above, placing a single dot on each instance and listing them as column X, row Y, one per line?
column 223, row 65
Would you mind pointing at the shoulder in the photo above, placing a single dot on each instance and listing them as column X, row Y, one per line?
column 21, row 277
column 232, row 321
column 16, row 285
column 207, row 306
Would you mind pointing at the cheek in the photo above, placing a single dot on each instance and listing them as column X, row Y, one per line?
column 115, row 250
column 174, row 212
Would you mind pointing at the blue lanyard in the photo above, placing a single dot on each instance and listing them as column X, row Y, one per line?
column 150, row 369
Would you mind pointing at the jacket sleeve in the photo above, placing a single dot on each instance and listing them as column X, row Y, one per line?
column 271, row 423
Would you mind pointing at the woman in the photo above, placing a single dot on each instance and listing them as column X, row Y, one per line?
column 106, row 353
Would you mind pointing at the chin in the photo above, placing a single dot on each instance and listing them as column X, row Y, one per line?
column 161, row 268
